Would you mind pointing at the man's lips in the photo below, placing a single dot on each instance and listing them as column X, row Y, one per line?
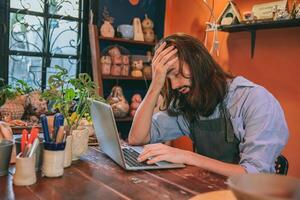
column 184, row 90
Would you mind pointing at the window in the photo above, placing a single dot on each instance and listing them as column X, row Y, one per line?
column 42, row 34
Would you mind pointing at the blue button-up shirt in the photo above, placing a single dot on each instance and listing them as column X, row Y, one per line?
column 258, row 122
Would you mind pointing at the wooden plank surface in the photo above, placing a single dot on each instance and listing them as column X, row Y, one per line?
column 96, row 176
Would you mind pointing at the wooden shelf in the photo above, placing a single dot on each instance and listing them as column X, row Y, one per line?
column 126, row 119
column 253, row 27
column 260, row 25
column 127, row 41
column 106, row 77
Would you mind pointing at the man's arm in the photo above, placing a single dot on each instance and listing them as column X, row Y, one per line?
column 161, row 152
column 139, row 132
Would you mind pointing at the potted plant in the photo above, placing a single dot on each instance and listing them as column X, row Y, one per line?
column 71, row 97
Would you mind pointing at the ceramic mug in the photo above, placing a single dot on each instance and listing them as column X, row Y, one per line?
column 25, row 171
column 6, row 147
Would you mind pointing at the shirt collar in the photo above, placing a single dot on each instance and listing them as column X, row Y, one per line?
column 240, row 81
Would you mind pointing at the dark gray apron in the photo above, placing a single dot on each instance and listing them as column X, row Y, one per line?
column 215, row 138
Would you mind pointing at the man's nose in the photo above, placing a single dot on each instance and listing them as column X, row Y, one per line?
column 175, row 84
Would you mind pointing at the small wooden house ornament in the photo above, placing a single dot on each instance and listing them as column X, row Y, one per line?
column 230, row 15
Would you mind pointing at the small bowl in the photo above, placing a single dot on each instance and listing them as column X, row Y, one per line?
column 126, row 31
column 264, row 187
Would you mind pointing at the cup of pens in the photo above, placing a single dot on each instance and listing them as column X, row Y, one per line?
column 25, row 161
column 54, row 146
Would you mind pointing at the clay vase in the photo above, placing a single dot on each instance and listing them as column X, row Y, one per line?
column 107, row 30
column 80, row 140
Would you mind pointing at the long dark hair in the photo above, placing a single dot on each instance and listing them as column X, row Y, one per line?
column 208, row 80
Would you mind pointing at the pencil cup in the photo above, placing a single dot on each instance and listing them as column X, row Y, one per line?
column 68, row 152
column 5, row 155
column 80, row 140
column 53, row 159
column 25, row 171
column 38, row 154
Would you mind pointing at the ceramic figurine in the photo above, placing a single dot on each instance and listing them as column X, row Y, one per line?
column 248, row 17
column 105, row 65
column 125, row 67
column 280, row 14
column 135, row 102
column 115, row 70
column 118, row 102
column 148, row 32
column 35, row 106
column 115, row 51
column 297, row 12
column 137, row 30
column 137, row 67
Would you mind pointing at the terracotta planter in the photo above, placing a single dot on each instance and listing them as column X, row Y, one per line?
column 80, row 139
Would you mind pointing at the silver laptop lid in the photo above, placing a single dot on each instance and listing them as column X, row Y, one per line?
column 106, row 131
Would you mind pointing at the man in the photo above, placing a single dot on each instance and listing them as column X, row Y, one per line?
column 236, row 126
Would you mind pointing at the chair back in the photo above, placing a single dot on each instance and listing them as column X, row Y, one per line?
column 281, row 165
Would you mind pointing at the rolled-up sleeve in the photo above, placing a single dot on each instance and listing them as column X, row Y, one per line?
column 265, row 132
column 166, row 128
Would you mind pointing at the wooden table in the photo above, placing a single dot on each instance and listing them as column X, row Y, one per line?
column 95, row 176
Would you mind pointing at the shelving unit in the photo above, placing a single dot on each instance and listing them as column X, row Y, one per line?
column 106, row 82
column 253, row 27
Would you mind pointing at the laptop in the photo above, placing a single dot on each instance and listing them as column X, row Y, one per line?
column 107, row 134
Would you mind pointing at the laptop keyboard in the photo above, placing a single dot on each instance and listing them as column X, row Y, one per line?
column 131, row 156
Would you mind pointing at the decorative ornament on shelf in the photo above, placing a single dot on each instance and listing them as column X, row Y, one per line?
column 134, row 2
column 136, row 100
column 212, row 26
column 118, row 102
column 105, row 65
column 248, row 17
column 295, row 12
column 137, row 30
column 148, row 25
column 265, row 11
column 107, row 30
column 137, row 67
column 280, row 14
column 230, row 15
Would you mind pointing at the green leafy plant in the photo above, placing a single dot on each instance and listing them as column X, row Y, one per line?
column 71, row 95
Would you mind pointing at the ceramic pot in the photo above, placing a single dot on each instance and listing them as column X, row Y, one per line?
column 6, row 147
column 68, row 152
column 53, row 164
column 80, row 139
column 25, row 171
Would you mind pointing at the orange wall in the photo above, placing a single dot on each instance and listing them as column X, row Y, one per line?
column 276, row 63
